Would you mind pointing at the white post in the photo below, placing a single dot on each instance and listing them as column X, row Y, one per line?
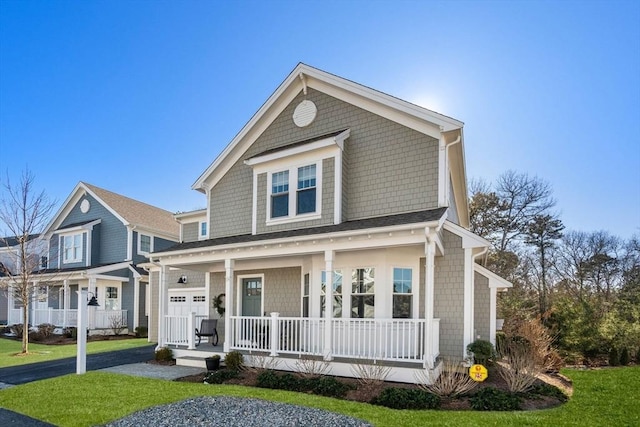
column 65, row 303
column 81, row 357
column 430, row 251
column 50, row 315
column 191, row 331
column 275, row 334
column 162, row 306
column 328, row 305
column 136, row 302
column 229, row 303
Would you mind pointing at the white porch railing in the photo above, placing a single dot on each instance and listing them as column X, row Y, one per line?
column 181, row 330
column 98, row 319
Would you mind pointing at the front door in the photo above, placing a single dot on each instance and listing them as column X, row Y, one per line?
column 252, row 296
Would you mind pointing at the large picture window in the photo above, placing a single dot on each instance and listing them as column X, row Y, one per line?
column 72, row 248
column 402, row 293
column 337, row 293
column 362, row 293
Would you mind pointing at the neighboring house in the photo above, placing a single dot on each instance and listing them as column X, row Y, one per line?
column 96, row 241
column 332, row 187
column 10, row 260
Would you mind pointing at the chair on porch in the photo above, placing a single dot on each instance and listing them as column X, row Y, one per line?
column 208, row 329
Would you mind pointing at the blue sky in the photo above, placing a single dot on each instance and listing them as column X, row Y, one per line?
column 139, row 97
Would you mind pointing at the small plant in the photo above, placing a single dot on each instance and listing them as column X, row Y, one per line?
column 368, row 374
column 141, row 332
column 624, row 356
column 164, row 354
column 219, row 377
column 17, row 329
column 311, row 367
column 329, row 386
column 234, row 360
column 453, row 380
column 483, row 352
column 116, row 324
column 493, row 399
column 404, row 398
column 518, row 367
column 218, row 304
column 46, row 330
column 545, row 389
column 614, row 357
column 259, row 363
column 35, row 336
column 71, row 332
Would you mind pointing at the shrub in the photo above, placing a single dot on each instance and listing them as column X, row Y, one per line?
column 404, row 398
column 267, row 379
column 234, row 360
column 46, row 329
column 270, row 379
column 518, row 368
column 17, row 329
column 35, row 336
column 164, row 354
column 624, row 356
column 218, row 377
column 492, row 399
column 638, row 356
column 614, row 357
column 141, row 332
column 370, row 374
column 71, row 332
column 545, row 389
column 483, row 351
column 454, row 380
column 329, row 386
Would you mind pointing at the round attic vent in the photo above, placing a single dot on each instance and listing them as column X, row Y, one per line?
column 305, row 113
column 84, row 206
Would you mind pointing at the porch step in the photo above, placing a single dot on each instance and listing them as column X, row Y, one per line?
column 196, row 362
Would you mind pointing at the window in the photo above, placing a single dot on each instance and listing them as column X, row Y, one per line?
column 144, row 244
column 362, row 292
column 402, row 293
column 203, row 229
column 199, row 298
column 180, row 298
column 111, row 298
column 280, row 194
column 72, row 248
column 337, row 293
column 305, row 296
column 306, row 195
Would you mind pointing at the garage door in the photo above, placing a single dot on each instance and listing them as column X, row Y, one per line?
column 183, row 301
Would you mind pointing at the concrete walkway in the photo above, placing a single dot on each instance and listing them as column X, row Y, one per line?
column 150, row 370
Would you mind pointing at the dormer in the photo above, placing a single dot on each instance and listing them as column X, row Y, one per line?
column 193, row 225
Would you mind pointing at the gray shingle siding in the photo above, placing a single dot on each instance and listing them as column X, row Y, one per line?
column 190, row 231
column 481, row 307
column 449, row 296
column 389, row 168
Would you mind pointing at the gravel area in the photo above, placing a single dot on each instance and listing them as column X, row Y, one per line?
column 224, row 411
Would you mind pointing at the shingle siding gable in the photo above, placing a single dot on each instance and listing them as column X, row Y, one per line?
column 389, row 168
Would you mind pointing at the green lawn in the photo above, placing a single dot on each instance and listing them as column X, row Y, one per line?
column 601, row 397
column 40, row 353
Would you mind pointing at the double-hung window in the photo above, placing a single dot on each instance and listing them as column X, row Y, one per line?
column 363, row 292
column 337, row 293
column 306, row 194
column 145, row 245
column 72, row 248
column 402, row 293
column 203, row 230
column 280, row 194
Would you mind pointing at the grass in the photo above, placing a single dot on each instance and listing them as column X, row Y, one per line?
column 601, row 397
column 40, row 352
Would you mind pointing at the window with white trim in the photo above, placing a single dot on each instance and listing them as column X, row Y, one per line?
column 72, row 248
column 306, row 193
column 111, row 298
column 402, row 293
column 362, row 293
column 305, row 296
column 145, row 244
column 280, row 194
column 337, row 293
column 202, row 233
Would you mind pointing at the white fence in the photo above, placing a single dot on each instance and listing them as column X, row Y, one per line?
column 98, row 319
column 181, row 330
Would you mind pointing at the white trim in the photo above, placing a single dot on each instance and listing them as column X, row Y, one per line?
column 129, row 243
column 468, row 301
column 136, row 302
column 254, row 203
column 443, row 196
column 492, row 315
column 239, row 294
column 337, row 188
column 108, row 268
column 80, row 251
column 495, row 281
column 469, row 239
column 151, row 243
column 197, row 289
column 415, row 287
column 188, row 215
column 200, row 235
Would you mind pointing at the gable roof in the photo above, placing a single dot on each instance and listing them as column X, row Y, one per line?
column 130, row 212
column 304, row 76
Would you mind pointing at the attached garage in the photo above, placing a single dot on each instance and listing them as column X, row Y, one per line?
column 184, row 301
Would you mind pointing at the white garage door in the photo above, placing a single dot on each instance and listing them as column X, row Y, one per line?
column 184, row 301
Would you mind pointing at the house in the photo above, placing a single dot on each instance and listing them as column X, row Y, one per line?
column 332, row 188
column 10, row 264
column 96, row 241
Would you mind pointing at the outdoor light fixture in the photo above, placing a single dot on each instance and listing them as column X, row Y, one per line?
column 182, row 279
column 81, row 356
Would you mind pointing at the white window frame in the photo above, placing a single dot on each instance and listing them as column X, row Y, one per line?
column 413, row 294
column 151, row 238
column 358, row 294
column 205, row 235
column 293, row 194
column 78, row 256
column 118, row 298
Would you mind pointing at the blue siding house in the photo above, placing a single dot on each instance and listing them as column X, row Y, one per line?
column 96, row 241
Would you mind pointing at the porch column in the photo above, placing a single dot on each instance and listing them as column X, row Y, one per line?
column 34, row 305
column 468, row 300
column 162, row 305
column 66, row 303
column 429, row 282
column 328, row 305
column 492, row 316
column 136, row 302
column 230, row 304
column 11, row 305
